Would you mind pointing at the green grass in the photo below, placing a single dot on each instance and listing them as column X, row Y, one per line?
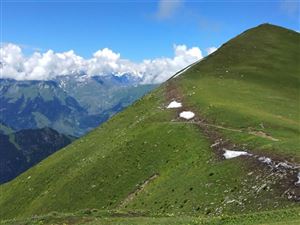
column 98, row 217
column 258, row 92
column 103, row 168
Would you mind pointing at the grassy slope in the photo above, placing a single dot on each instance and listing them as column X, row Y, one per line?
column 101, row 169
column 250, row 81
column 96, row 217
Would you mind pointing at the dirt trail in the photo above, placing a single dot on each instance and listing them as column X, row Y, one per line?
column 139, row 189
column 263, row 135
column 281, row 172
column 255, row 133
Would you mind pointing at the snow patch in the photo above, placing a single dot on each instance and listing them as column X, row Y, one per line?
column 284, row 165
column 232, row 154
column 265, row 159
column 298, row 182
column 174, row 105
column 187, row 115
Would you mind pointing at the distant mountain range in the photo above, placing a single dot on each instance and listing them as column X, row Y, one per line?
column 72, row 105
column 38, row 118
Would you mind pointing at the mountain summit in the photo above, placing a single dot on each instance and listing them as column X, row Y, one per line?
column 231, row 146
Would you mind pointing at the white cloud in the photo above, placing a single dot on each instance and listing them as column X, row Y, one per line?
column 47, row 65
column 167, row 8
column 211, row 50
column 159, row 70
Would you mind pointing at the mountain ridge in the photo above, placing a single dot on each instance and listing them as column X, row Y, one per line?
column 174, row 162
column 66, row 103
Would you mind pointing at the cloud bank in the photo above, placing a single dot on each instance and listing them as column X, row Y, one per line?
column 48, row 65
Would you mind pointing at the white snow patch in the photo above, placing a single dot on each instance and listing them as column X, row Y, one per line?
column 174, row 105
column 298, row 182
column 232, row 154
column 284, row 165
column 187, row 115
column 265, row 159
column 62, row 84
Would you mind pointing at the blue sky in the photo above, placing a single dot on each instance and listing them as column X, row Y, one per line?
column 136, row 29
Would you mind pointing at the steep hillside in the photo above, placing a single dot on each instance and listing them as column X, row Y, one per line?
column 23, row 149
column 149, row 160
column 252, row 84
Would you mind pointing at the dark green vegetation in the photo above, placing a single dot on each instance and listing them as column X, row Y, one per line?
column 22, row 149
column 71, row 105
column 145, row 159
